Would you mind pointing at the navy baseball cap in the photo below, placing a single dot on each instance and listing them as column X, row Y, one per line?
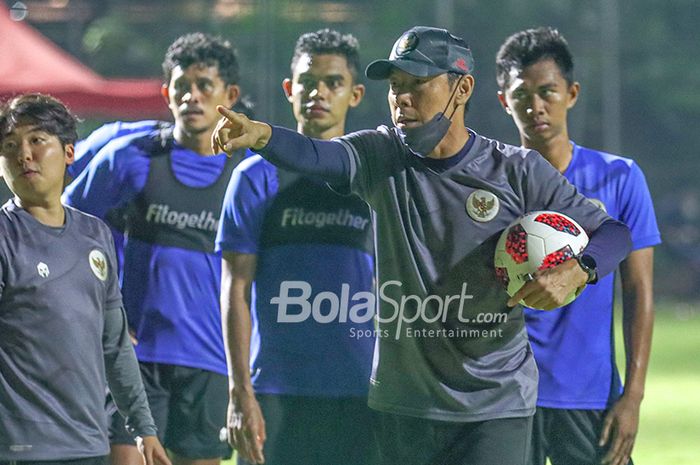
column 425, row 51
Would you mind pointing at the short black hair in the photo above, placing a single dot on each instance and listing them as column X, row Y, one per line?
column 329, row 42
column 47, row 113
column 527, row 47
column 453, row 77
column 198, row 47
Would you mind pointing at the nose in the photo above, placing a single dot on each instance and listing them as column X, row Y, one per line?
column 400, row 99
column 24, row 152
column 535, row 106
column 192, row 94
column 319, row 91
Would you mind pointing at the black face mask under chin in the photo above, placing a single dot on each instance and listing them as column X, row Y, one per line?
column 421, row 140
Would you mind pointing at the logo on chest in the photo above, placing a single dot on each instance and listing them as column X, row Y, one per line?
column 43, row 269
column 296, row 217
column 98, row 264
column 482, row 206
column 161, row 214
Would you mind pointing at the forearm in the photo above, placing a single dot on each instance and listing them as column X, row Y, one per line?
column 237, row 328
column 290, row 150
column 608, row 246
column 638, row 318
column 123, row 376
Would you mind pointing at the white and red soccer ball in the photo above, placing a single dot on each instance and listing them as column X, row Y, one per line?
column 537, row 241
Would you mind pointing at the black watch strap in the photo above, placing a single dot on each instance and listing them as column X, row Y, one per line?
column 588, row 264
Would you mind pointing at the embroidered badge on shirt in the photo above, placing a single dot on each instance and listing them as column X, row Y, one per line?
column 98, row 264
column 43, row 269
column 482, row 206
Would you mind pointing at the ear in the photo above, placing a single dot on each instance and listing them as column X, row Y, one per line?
column 572, row 92
column 358, row 91
column 287, row 88
column 466, row 87
column 69, row 154
column 504, row 103
column 233, row 94
column 165, row 93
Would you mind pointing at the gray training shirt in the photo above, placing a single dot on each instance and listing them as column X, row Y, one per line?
column 63, row 337
column 448, row 346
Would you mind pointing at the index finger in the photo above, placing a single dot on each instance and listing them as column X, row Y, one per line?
column 616, row 449
column 256, row 446
column 248, row 446
column 522, row 293
column 227, row 113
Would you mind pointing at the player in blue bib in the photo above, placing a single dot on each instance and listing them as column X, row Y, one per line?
column 454, row 380
column 169, row 195
column 583, row 416
column 288, row 242
column 63, row 326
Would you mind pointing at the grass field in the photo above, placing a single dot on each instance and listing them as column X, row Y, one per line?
column 669, row 431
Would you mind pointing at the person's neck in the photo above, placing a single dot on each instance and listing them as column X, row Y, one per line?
column 327, row 134
column 452, row 143
column 49, row 213
column 557, row 151
column 197, row 142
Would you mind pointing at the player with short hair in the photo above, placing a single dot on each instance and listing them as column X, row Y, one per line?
column 306, row 400
column 171, row 191
column 64, row 331
column 454, row 378
column 86, row 149
column 583, row 416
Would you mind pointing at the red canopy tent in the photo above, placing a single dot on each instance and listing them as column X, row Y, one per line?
column 29, row 62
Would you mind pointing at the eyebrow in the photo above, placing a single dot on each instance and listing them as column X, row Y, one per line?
column 33, row 128
column 522, row 86
column 323, row 76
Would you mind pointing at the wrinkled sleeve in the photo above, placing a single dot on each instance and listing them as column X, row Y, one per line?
column 638, row 210
column 121, row 366
column 327, row 160
column 109, row 181
column 123, row 376
column 546, row 189
column 242, row 212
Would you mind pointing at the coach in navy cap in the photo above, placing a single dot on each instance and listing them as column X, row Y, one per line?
column 427, row 52
column 454, row 380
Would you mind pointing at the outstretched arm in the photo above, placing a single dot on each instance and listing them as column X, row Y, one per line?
column 287, row 149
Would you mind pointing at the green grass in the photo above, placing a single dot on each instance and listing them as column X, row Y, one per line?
column 669, row 431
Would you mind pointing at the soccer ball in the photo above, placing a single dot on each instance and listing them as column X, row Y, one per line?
column 537, row 241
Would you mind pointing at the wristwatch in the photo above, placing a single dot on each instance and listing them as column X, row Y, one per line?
column 588, row 264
